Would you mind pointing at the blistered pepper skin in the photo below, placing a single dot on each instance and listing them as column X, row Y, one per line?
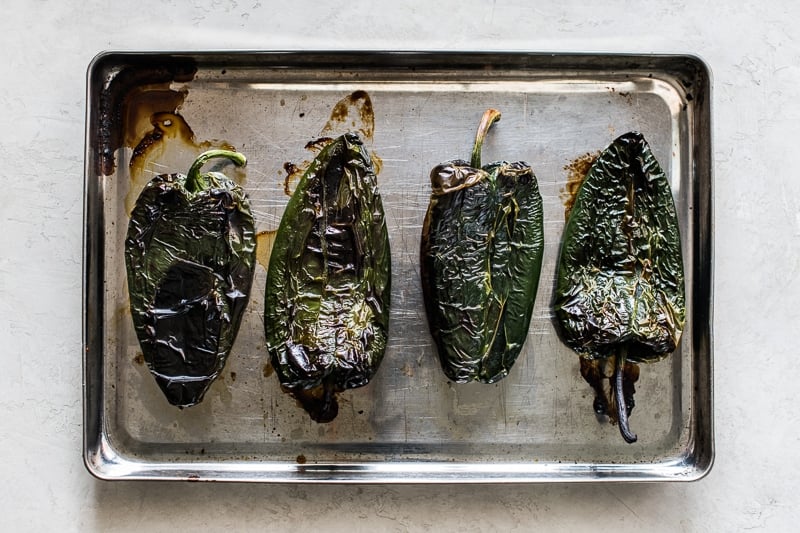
column 620, row 283
column 190, row 258
column 481, row 256
column 326, row 314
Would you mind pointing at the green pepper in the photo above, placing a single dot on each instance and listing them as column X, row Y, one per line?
column 619, row 296
column 481, row 256
column 326, row 313
column 190, row 258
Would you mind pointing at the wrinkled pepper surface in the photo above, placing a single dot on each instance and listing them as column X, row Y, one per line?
column 619, row 297
column 481, row 256
column 326, row 314
column 190, row 257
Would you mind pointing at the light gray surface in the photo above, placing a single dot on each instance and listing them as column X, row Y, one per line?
column 755, row 60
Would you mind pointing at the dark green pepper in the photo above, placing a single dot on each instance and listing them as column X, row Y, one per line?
column 619, row 296
column 326, row 313
column 481, row 255
column 190, row 257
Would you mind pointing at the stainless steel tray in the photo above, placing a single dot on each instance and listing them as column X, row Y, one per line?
column 410, row 424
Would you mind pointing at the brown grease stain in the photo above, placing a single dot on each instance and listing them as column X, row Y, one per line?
column 318, row 144
column 293, row 173
column 138, row 88
column 301, row 459
column 166, row 127
column 577, row 171
column 358, row 102
column 139, row 359
column 267, row 370
column 264, row 243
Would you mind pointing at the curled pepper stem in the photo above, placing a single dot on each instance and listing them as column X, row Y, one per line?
column 490, row 116
column 194, row 183
column 622, row 407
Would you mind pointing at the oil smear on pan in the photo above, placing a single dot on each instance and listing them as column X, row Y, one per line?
column 353, row 112
column 130, row 94
column 264, row 241
column 577, row 170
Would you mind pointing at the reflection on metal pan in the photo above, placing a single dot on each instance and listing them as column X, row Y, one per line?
column 409, row 424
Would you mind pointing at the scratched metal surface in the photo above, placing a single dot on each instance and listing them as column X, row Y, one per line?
column 409, row 423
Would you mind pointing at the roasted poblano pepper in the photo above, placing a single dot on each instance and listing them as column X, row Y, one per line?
column 190, row 255
column 481, row 255
column 620, row 287
column 326, row 312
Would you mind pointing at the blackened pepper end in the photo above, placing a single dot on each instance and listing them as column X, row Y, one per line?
column 620, row 397
column 320, row 402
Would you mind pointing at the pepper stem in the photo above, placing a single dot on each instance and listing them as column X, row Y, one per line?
column 194, row 183
column 622, row 407
column 490, row 116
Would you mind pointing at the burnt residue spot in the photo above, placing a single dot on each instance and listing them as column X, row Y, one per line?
column 145, row 144
column 577, row 170
column 165, row 125
column 124, row 84
column 319, row 402
column 142, row 105
column 233, row 376
column 301, row 459
column 318, row 143
column 359, row 104
column 301, row 115
column 139, row 359
column 293, row 173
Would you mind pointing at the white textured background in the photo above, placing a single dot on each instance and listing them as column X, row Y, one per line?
column 753, row 50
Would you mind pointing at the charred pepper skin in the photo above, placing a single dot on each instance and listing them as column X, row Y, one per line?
column 326, row 314
column 481, row 256
column 620, row 297
column 190, row 258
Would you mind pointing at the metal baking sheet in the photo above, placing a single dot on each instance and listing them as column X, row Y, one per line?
column 151, row 113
